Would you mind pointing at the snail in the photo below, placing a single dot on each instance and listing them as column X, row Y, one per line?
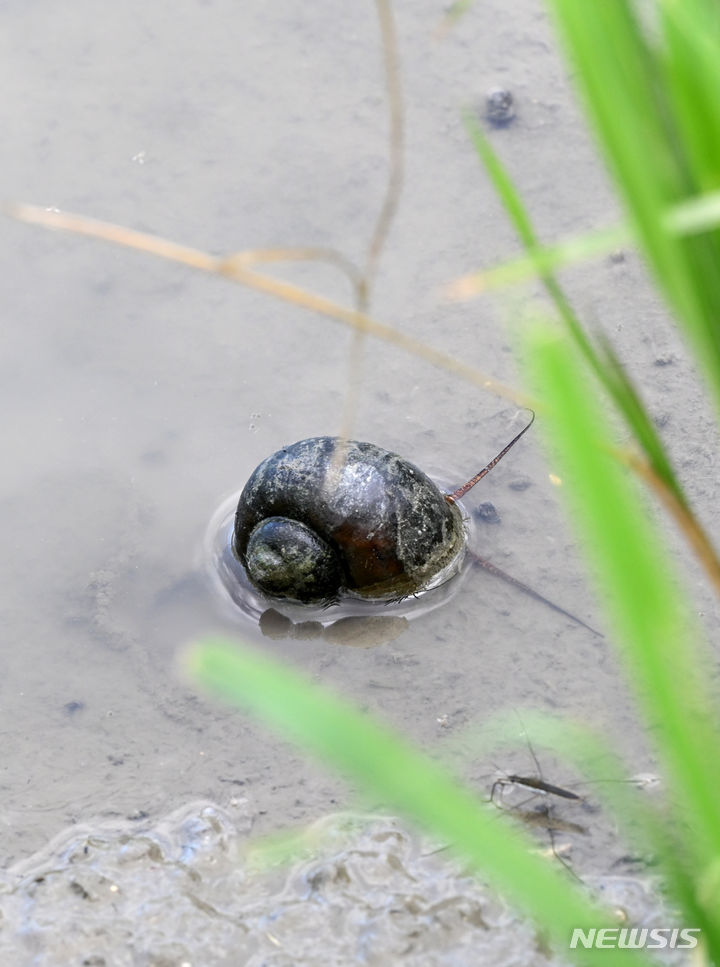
column 323, row 518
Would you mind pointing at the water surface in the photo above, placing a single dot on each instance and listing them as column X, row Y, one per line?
column 139, row 395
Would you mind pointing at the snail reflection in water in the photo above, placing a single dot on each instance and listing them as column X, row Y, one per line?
column 324, row 518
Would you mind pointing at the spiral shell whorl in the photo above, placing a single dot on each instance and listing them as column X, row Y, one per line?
column 290, row 560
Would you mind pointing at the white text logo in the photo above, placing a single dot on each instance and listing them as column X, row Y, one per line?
column 649, row 937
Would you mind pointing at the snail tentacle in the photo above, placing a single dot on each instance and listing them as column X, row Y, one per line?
column 461, row 491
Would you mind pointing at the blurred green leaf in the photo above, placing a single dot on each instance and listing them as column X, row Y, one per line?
column 667, row 660
column 651, row 88
column 388, row 767
column 602, row 359
column 545, row 258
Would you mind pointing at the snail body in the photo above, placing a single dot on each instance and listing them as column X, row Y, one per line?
column 313, row 523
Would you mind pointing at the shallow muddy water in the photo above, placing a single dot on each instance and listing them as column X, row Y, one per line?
column 186, row 890
column 139, row 395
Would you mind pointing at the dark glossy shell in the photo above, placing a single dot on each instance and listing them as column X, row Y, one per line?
column 377, row 523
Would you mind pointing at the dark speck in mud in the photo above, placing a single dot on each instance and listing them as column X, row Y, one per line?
column 137, row 815
column 486, row 513
column 666, row 360
column 154, row 458
column 499, row 106
column 70, row 708
column 520, row 483
column 80, row 890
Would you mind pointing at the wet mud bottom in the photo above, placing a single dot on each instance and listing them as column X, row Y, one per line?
column 195, row 889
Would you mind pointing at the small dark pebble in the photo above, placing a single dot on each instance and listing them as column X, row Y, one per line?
column 80, row 890
column 499, row 109
column 617, row 257
column 72, row 707
column 666, row 360
column 520, row 483
column 486, row 513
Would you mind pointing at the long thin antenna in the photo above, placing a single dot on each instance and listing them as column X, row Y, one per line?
column 461, row 491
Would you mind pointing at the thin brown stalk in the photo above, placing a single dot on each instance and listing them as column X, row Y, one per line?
column 301, row 254
column 688, row 524
column 391, row 64
column 383, row 223
column 234, row 268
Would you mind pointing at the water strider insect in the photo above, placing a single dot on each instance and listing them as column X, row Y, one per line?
column 541, row 809
column 536, row 783
column 323, row 518
column 544, row 815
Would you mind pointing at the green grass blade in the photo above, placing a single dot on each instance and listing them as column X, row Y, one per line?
column 644, row 823
column 503, row 183
column 520, row 218
column 628, row 401
column 653, row 97
column 691, row 30
column 666, row 660
column 695, row 215
column 548, row 258
column 687, row 218
column 604, row 364
column 389, row 768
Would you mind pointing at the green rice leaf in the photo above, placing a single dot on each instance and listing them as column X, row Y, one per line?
column 603, row 361
column 651, row 89
column 666, row 659
column 386, row 766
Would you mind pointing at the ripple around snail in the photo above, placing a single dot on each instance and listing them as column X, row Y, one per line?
column 322, row 518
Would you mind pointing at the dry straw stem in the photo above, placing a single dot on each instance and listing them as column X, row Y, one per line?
column 684, row 518
column 687, row 218
column 393, row 90
column 541, row 259
column 235, row 267
column 385, row 216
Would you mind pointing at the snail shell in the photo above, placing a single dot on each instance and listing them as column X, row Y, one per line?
column 309, row 526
